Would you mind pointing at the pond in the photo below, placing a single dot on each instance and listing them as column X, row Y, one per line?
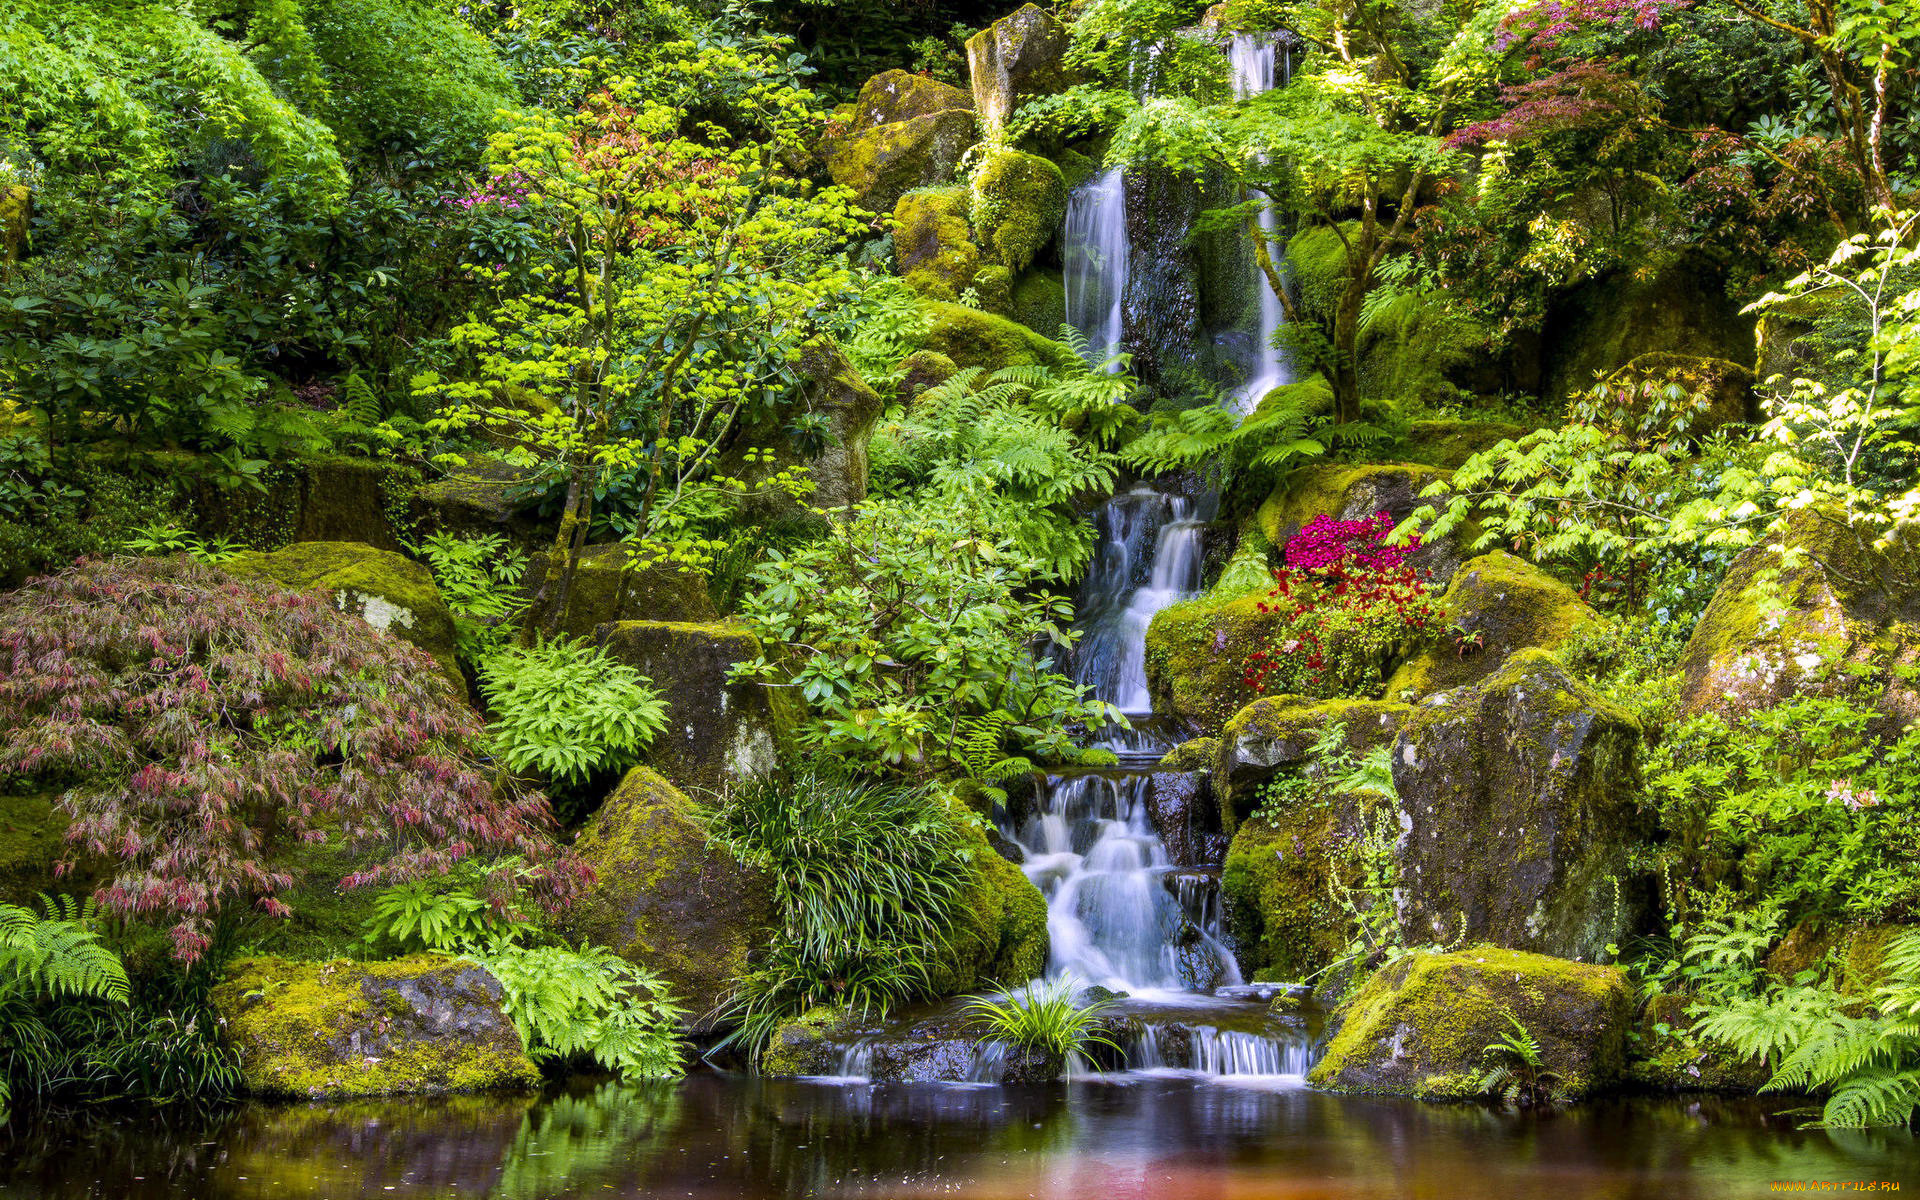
column 1162, row 1135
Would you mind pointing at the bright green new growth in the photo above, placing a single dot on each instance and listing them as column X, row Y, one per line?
column 1519, row 1075
column 479, row 578
column 54, row 954
column 589, row 1003
column 566, row 709
column 1042, row 1017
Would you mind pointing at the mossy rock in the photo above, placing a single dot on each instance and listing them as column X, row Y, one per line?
column 1726, row 385
column 719, row 731
column 395, row 595
column 609, row 585
column 901, row 96
column 993, row 289
column 971, row 338
column 33, row 837
column 1018, row 57
column 666, row 899
column 1352, row 492
column 1509, row 605
column 480, row 497
column 1195, row 755
column 1840, row 610
column 1520, row 801
column 425, row 1025
column 886, row 162
column 1601, row 326
column 1000, row 935
column 1196, row 655
column 1019, row 201
column 808, row 1045
column 923, row 370
column 1664, row 1056
column 1276, row 733
column 834, row 390
column 1449, row 444
column 1421, row 1025
column 1040, row 300
column 933, row 242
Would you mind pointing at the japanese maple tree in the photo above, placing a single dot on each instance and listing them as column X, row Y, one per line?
column 202, row 726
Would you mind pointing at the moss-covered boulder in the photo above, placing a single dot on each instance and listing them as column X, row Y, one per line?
column 1352, row 492
column 971, row 338
column 1448, row 444
column 667, row 900
column 933, row 242
column 1504, row 605
column 613, row 583
column 1015, row 59
column 1040, row 300
column 1421, row 1025
column 1663, row 1054
column 1808, row 621
column 924, row 369
column 885, row 162
column 1000, row 936
column 1725, row 386
column 1519, row 798
column 1019, row 201
column 719, row 731
column 1277, row 733
column 1196, row 657
column 834, row 391
column 481, row 496
column 809, row 1044
column 901, row 96
column 424, row 1025
column 393, row 594
column 1601, row 326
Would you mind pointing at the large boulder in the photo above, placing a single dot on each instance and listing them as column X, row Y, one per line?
column 1519, row 801
column 1196, row 657
column 885, row 162
column 1503, row 605
column 1284, row 859
column 971, row 338
column 1019, row 201
column 933, row 242
column 1421, row 1025
column 1808, row 621
column 1683, row 308
column 1724, row 385
column 425, row 1025
column 897, row 95
column 391, row 593
column 666, row 899
column 1040, row 300
column 615, row 583
column 719, row 731
column 834, row 391
column 1013, row 60
column 1000, row 935
column 483, row 495
column 1448, row 444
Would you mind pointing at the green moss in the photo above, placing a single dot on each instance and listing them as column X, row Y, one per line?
column 901, row 96
column 885, row 162
column 1338, row 489
column 993, row 289
column 1421, row 1025
column 801, row 1046
column 1664, row 1056
column 1000, row 934
column 1196, row 755
column 1019, row 201
column 1510, row 605
column 609, row 587
column 311, row 1030
column 16, row 211
column 1274, row 733
column 924, row 369
column 1277, row 883
column 1040, row 300
column 971, row 338
column 1196, row 656
column 1448, row 444
column 32, row 839
column 933, row 242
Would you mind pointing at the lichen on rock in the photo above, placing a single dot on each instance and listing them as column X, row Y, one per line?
column 425, row 1025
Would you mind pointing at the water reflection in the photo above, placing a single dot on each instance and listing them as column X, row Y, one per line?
column 715, row 1136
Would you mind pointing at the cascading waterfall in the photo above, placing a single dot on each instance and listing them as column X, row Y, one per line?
column 1259, row 65
column 1097, row 262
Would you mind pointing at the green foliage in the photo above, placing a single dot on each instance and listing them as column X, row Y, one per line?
column 479, row 578
column 1519, row 1075
column 591, row 1004
column 866, row 876
column 1809, row 806
column 565, row 709
column 909, row 619
column 450, row 913
column 165, row 537
column 1042, row 1017
column 53, row 954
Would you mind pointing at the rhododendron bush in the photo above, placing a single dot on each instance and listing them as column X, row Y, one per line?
column 202, row 727
column 1350, row 608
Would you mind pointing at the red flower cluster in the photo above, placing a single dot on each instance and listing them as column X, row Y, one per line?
column 1327, row 541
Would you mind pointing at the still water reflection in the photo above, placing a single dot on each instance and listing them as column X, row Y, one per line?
column 746, row 1139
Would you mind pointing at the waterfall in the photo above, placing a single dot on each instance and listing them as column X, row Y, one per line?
column 1260, row 65
column 1096, row 268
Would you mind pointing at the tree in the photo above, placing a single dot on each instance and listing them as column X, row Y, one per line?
column 202, row 728
column 681, row 280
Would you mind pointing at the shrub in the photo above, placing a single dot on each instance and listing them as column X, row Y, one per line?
column 1042, row 1017
column 1349, row 608
column 52, row 955
column 867, row 878
column 201, row 726
column 566, row 709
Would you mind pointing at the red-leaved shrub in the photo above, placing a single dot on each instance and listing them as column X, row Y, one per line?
column 202, row 726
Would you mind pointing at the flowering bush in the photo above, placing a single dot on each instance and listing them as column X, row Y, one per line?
column 203, row 726
column 1350, row 607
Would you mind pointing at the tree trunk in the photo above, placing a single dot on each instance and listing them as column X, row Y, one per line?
column 1344, row 372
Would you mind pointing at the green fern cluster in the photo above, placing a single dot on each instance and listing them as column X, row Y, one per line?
column 589, row 1003
column 566, row 709
column 479, row 577
column 54, row 954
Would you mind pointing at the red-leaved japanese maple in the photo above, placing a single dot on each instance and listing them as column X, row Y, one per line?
column 203, row 726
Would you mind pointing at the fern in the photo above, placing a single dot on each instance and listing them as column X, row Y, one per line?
column 566, row 709
column 981, row 753
column 589, row 1003
column 359, row 403
column 57, row 953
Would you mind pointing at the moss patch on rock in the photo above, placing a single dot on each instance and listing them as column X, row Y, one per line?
column 1509, row 605
column 1351, row 492
column 1449, row 444
column 610, row 586
column 971, row 338
column 884, row 163
column 1040, row 300
column 424, row 1025
column 1421, row 1025
column 1664, row 1056
column 1000, row 936
column 1019, row 201
column 1020, row 56
column 807, row 1045
column 933, row 242
column 1275, row 733
column 664, row 899
column 1196, row 656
